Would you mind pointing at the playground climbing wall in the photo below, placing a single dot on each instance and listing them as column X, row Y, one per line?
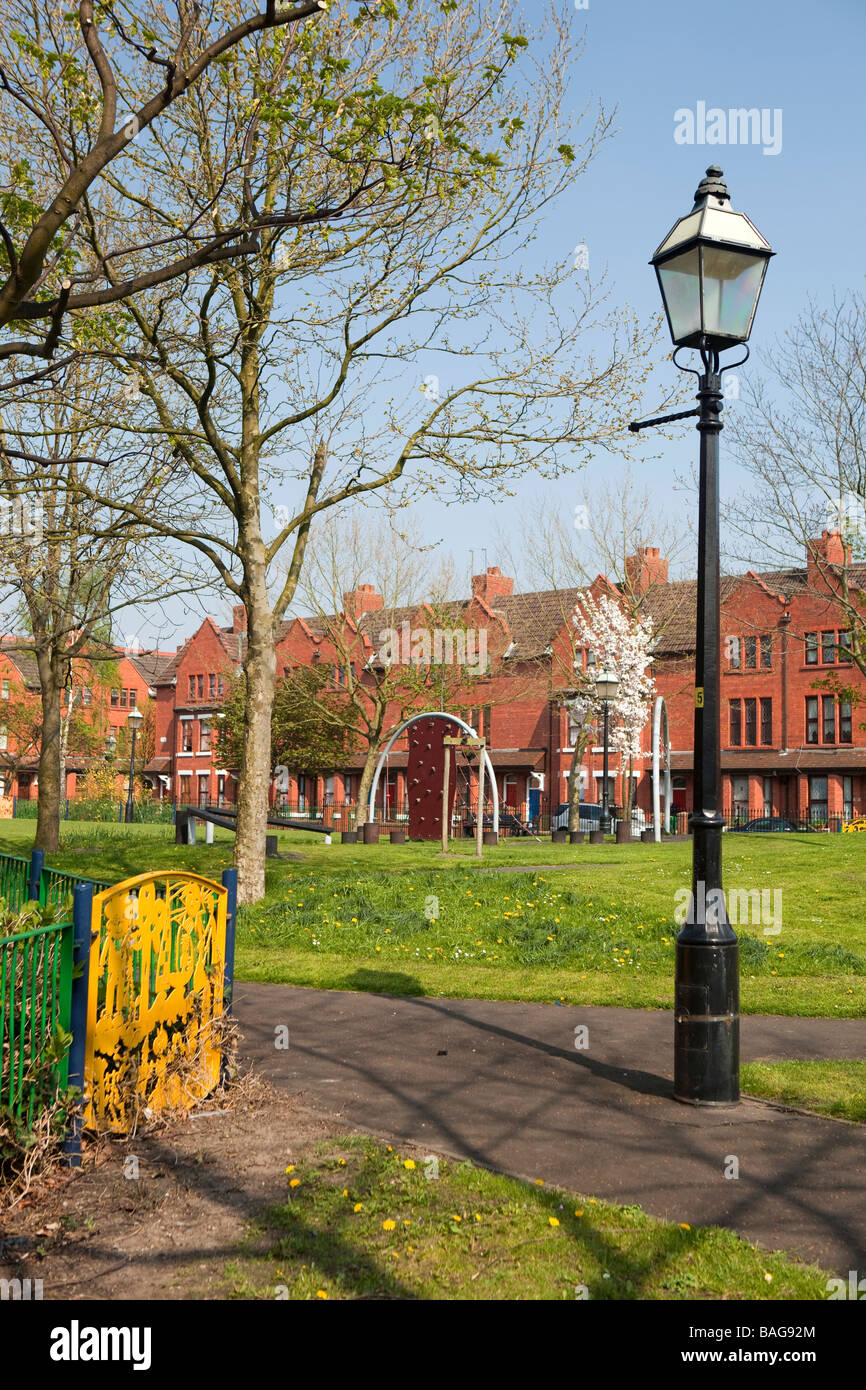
column 425, row 773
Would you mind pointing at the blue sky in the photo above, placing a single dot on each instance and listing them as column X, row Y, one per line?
column 650, row 60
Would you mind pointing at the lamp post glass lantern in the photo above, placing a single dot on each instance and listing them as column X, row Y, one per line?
column 134, row 721
column 710, row 270
column 607, row 687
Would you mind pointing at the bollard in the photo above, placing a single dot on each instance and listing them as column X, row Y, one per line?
column 272, row 847
column 559, row 837
column 623, row 833
column 398, row 837
column 596, row 837
column 490, row 837
column 576, row 837
column 349, row 837
column 82, row 913
column 371, row 833
column 37, row 863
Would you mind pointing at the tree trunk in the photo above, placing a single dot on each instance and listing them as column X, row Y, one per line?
column 374, row 741
column 573, row 788
column 49, row 790
column 260, row 669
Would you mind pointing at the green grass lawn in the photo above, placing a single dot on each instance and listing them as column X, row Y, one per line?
column 595, row 928
column 830, row 1088
column 364, row 1220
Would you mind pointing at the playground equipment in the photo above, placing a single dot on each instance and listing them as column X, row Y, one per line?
column 428, row 766
column 184, row 831
column 660, row 723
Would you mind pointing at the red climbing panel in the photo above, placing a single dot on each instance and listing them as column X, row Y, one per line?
column 425, row 773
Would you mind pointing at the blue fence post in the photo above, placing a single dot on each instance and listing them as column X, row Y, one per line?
column 82, row 912
column 230, row 882
column 37, row 864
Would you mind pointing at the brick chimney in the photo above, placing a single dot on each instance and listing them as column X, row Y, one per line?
column 827, row 549
column 492, row 585
column 645, row 568
column 239, row 619
column 362, row 600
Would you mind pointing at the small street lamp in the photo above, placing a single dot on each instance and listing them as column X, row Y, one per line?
column 110, row 748
column 607, row 688
column 710, row 270
column 134, row 721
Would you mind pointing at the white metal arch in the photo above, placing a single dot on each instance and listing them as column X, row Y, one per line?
column 660, row 715
column 454, row 719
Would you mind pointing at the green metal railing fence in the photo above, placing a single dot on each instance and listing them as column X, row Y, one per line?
column 35, row 1000
column 35, row 983
column 14, row 880
column 55, row 886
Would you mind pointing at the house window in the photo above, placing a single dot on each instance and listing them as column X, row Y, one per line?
column 736, row 722
column 844, row 721
column 132, row 699
column 221, row 690
column 192, row 687
column 844, row 648
column 115, row 698
column 751, row 722
column 817, row 799
column 4, row 738
column 204, row 736
column 766, row 651
column 751, row 645
column 211, row 685
column 812, row 719
column 828, row 648
column 186, row 736
column 848, row 798
column 829, row 718
column 811, row 649
column 734, row 653
column 768, row 796
column 766, row 721
column 5, row 690
column 200, row 685
column 123, row 695
column 88, row 695
column 203, row 788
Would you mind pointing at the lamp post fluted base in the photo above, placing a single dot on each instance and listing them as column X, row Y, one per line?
column 707, row 1023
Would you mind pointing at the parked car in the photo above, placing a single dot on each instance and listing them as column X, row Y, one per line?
column 765, row 825
column 507, row 821
column 590, row 817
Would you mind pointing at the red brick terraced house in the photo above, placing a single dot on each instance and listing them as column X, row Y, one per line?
column 787, row 748
column 97, row 700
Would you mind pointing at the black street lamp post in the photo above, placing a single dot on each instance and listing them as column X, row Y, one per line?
column 710, row 269
column 134, row 720
column 607, row 687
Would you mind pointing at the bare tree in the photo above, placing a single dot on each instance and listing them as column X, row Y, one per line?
column 77, row 88
column 800, row 434
column 255, row 371
column 67, row 568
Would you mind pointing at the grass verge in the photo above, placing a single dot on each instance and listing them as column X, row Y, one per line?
column 364, row 1220
column 829, row 1088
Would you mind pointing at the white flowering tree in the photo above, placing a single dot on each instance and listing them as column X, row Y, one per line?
column 621, row 642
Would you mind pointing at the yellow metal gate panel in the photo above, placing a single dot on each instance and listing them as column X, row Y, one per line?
column 155, row 996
